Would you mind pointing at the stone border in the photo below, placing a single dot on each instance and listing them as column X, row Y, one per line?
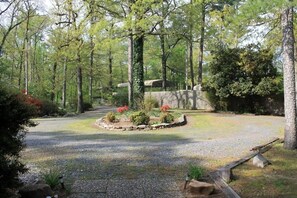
column 182, row 120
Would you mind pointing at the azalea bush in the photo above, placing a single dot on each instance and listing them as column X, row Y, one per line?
column 164, row 108
column 140, row 118
column 32, row 101
column 16, row 111
column 122, row 109
column 166, row 117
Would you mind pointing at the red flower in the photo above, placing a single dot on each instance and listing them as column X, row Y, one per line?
column 164, row 108
column 122, row 109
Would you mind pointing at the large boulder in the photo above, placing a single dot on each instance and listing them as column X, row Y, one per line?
column 200, row 188
column 36, row 191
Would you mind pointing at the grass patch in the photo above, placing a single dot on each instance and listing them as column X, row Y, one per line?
column 195, row 172
column 85, row 125
column 276, row 180
column 212, row 121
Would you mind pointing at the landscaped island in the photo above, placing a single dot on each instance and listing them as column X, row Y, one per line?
column 148, row 119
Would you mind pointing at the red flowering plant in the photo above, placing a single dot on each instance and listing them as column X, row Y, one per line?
column 123, row 109
column 30, row 100
column 164, row 108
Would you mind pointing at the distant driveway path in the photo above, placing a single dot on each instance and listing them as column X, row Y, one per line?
column 82, row 152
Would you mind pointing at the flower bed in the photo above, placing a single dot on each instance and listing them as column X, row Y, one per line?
column 141, row 120
column 125, row 125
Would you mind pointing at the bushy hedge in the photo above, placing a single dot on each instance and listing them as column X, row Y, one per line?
column 15, row 116
column 241, row 78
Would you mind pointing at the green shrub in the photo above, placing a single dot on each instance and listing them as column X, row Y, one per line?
column 72, row 105
column 87, row 106
column 150, row 103
column 120, row 98
column 48, row 108
column 166, row 118
column 248, row 76
column 51, row 178
column 110, row 116
column 195, row 172
column 15, row 116
column 140, row 118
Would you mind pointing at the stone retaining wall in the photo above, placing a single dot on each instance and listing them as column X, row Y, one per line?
column 191, row 99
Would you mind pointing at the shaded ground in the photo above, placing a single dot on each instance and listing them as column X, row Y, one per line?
column 81, row 151
column 276, row 180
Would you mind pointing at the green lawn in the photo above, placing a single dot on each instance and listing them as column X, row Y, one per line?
column 276, row 180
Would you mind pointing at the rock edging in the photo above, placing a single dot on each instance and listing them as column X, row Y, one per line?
column 182, row 120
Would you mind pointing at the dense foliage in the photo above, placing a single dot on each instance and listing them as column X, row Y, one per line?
column 15, row 116
column 140, row 118
column 241, row 78
column 166, row 117
column 195, row 172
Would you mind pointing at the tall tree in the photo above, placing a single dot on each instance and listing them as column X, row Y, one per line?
column 201, row 42
column 290, row 140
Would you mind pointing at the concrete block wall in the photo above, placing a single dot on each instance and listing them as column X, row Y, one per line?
column 183, row 99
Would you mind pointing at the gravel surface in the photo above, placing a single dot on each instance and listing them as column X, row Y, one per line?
column 103, row 154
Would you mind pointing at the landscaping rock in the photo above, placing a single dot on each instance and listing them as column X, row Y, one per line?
column 36, row 191
column 141, row 126
column 200, row 188
column 260, row 161
column 226, row 174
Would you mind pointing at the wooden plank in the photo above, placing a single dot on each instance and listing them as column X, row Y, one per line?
column 226, row 189
column 256, row 148
column 262, row 149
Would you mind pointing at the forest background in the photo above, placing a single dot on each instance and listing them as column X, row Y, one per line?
column 74, row 52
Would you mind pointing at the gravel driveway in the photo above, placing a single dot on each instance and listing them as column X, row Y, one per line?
column 99, row 154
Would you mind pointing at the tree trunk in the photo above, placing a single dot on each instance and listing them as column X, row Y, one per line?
column 34, row 61
column 164, row 62
column 138, row 70
column 91, row 71
column 64, row 92
column 201, row 44
column 130, row 72
column 130, row 62
column 191, row 49
column 21, row 66
column 290, row 139
column 54, row 82
column 191, row 63
column 26, row 72
column 163, row 49
column 80, row 108
column 26, row 68
column 185, row 105
column 110, row 68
